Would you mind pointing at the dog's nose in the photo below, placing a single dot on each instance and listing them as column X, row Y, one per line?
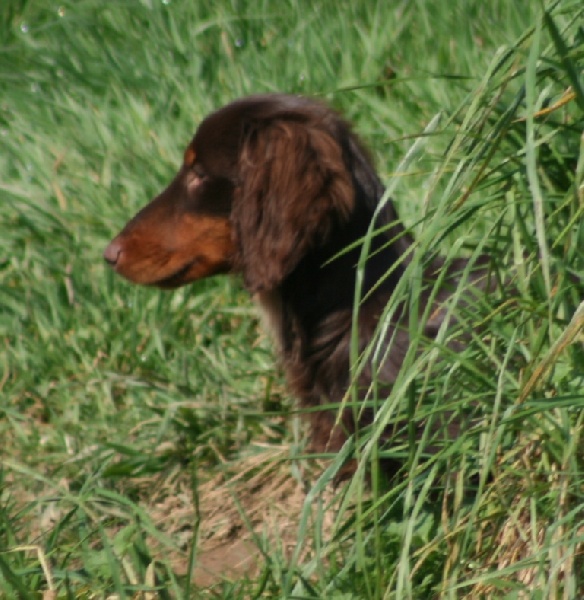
column 112, row 253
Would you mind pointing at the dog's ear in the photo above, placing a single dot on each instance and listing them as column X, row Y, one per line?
column 293, row 185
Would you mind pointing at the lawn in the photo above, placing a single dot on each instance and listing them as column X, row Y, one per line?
column 150, row 448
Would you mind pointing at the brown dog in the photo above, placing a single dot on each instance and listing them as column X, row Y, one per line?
column 278, row 189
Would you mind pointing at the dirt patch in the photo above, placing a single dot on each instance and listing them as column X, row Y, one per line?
column 258, row 500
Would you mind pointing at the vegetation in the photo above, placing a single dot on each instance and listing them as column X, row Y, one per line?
column 149, row 445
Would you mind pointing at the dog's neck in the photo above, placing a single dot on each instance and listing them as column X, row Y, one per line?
column 324, row 281
column 310, row 313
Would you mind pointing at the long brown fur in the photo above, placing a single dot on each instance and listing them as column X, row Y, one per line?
column 276, row 188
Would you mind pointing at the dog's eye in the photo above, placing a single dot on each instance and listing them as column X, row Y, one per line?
column 198, row 170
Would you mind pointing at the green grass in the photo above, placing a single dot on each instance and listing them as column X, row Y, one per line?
column 139, row 426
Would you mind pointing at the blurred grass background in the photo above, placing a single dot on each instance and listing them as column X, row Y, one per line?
column 123, row 410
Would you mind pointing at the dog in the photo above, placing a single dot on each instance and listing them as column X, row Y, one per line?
column 278, row 189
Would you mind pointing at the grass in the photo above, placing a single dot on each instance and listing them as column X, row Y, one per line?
column 148, row 437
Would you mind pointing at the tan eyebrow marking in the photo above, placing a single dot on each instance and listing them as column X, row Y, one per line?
column 190, row 156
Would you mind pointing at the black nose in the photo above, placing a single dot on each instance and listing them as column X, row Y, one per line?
column 112, row 253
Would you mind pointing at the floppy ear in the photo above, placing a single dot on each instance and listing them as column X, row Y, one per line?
column 293, row 185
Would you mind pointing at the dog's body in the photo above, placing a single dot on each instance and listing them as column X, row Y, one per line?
column 278, row 189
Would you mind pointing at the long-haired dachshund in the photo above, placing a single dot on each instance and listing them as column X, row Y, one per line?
column 278, row 189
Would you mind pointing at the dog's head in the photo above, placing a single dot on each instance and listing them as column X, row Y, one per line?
column 263, row 181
